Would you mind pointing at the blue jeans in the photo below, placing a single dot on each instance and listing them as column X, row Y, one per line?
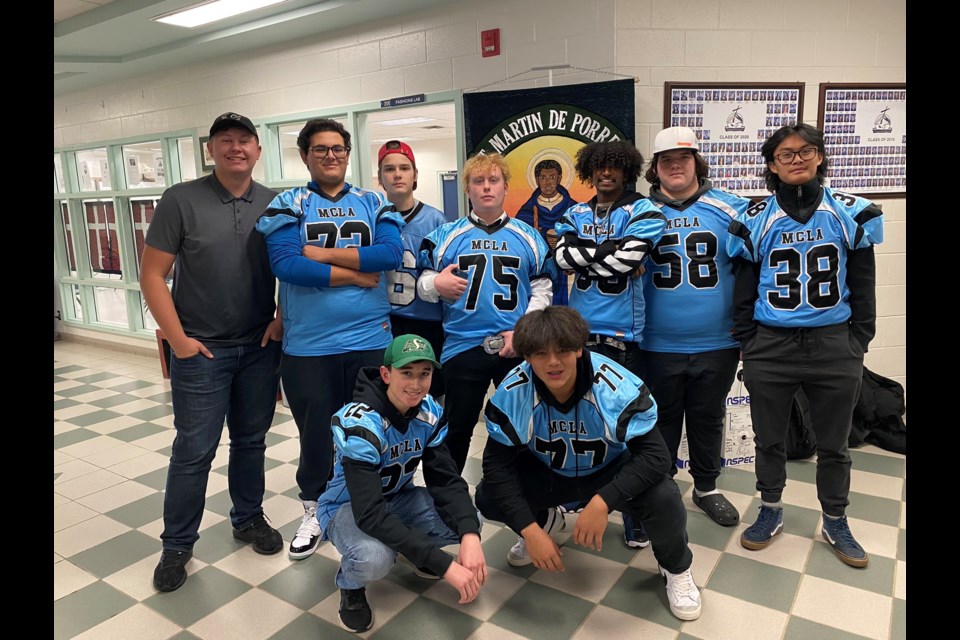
column 240, row 384
column 365, row 558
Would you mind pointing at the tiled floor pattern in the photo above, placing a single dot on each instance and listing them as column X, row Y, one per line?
column 112, row 434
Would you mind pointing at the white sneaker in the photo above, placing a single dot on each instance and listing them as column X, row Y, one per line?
column 518, row 556
column 683, row 594
column 308, row 535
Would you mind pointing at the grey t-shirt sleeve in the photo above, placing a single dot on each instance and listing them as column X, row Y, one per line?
column 166, row 228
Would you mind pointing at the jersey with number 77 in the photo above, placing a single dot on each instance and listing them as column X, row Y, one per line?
column 587, row 436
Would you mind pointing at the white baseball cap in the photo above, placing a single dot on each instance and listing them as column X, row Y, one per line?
column 675, row 138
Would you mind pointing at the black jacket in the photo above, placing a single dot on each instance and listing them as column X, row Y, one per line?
column 443, row 481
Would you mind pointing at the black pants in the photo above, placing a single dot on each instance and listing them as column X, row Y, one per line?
column 692, row 386
column 827, row 363
column 432, row 331
column 467, row 376
column 316, row 388
column 660, row 507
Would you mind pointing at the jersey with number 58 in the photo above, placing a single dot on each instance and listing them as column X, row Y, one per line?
column 803, row 275
column 585, row 437
column 688, row 284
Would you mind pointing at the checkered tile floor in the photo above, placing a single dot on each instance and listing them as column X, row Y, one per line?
column 113, row 427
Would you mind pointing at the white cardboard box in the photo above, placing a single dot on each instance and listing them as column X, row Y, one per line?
column 738, row 447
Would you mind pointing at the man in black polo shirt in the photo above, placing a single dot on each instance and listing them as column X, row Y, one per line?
column 221, row 327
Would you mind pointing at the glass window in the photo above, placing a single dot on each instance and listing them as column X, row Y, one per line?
column 68, row 239
column 111, row 305
column 141, row 215
column 102, row 239
column 144, row 165
column 58, row 173
column 291, row 166
column 188, row 165
column 77, row 307
column 93, row 170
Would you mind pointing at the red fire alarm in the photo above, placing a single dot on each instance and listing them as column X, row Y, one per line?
column 490, row 42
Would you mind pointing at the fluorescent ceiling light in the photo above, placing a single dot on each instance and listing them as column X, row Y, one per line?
column 208, row 12
column 399, row 121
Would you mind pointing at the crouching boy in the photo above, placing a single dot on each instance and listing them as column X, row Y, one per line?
column 572, row 426
column 371, row 510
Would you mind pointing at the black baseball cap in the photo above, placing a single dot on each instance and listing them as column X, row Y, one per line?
column 229, row 120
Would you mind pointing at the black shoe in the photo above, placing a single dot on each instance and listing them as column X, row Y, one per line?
column 265, row 539
column 718, row 508
column 171, row 571
column 355, row 613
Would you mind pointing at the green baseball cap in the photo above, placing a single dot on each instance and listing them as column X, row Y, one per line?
column 406, row 349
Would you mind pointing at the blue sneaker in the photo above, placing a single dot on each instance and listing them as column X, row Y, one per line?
column 634, row 535
column 837, row 534
column 768, row 524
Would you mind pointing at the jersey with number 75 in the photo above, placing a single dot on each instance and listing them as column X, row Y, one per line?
column 499, row 262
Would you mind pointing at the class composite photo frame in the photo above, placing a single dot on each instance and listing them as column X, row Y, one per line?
column 206, row 160
column 865, row 132
column 732, row 120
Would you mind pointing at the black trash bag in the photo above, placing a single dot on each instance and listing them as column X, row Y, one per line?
column 878, row 416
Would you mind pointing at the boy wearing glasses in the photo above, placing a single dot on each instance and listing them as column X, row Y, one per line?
column 329, row 244
column 409, row 312
column 489, row 270
column 804, row 313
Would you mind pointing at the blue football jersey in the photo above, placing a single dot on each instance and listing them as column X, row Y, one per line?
column 402, row 283
column 591, row 435
column 803, row 275
column 688, row 284
column 324, row 321
column 499, row 262
column 613, row 305
column 360, row 433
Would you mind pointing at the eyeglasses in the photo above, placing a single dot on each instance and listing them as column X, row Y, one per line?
column 339, row 151
column 786, row 157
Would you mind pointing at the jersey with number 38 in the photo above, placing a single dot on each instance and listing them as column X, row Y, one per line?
column 583, row 440
column 803, row 270
column 361, row 433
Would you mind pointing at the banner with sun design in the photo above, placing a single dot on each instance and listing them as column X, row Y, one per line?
column 527, row 126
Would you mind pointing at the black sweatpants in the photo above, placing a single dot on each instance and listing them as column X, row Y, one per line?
column 660, row 507
column 467, row 376
column 695, row 386
column 827, row 363
column 317, row 387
